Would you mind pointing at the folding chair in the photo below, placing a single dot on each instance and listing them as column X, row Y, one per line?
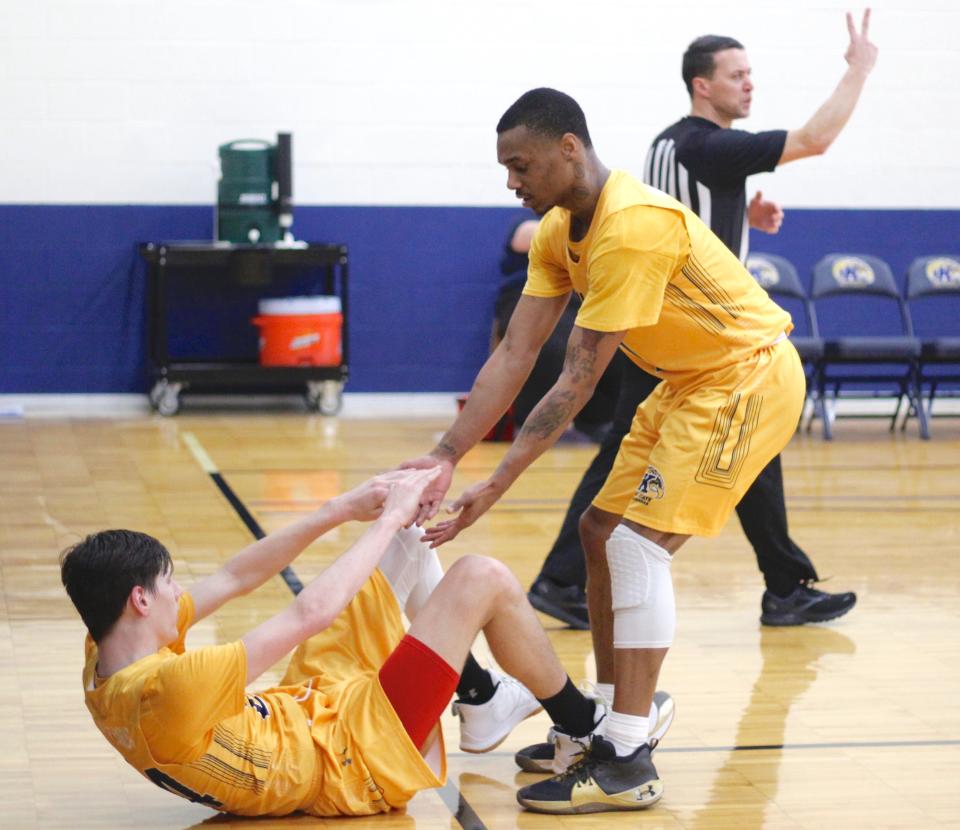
column 867, row 333
column 933, row 297
column 780, row 280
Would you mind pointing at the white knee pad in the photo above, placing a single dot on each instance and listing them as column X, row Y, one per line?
column 644, row 614
column 412, row 569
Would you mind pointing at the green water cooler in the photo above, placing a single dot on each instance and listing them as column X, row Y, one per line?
column 254, row 194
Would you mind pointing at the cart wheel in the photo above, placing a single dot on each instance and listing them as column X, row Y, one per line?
column 325, row 397
column 156, row 393
column 331, row 404
column 168, row 399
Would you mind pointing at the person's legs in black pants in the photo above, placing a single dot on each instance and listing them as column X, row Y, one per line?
column 787, row 570
column 763, row 516
column 560, row 589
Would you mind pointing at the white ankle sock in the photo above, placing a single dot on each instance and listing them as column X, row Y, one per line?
column 626, row 732
column 606, row 690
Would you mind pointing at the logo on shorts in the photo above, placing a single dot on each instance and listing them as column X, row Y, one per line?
column 259, row 705
column 651, row 486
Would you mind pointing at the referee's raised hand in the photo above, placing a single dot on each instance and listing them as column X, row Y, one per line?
column 861, row 53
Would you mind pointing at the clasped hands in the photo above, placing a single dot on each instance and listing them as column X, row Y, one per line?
column 474, row 502
column 414, row 494
column 397, row 494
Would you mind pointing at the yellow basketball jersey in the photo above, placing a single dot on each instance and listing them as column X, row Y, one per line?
column 329, row 743
column 650, row 267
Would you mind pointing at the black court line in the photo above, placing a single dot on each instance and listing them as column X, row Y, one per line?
column 367, row 471
column 951, row 498
column 824, row 745
column 460, row 808
column 543, row 503
column 778, row 747
column 288, row 574
column 794, row 508
column 449, row 794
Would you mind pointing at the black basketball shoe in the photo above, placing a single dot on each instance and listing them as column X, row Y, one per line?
column 804, row 605
column 560, row 750
column 565, row 603
column 599, row 782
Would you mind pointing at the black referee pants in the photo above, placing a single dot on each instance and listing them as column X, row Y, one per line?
column 762, row 510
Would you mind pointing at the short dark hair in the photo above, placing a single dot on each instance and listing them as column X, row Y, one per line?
column 698, row 61
column 548, row 112
column 100, row 572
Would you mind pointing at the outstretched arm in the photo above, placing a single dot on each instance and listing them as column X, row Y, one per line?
column 319, row 604
column 257, row 563
column 494, row 390
column 588, row 353
column 814, row 137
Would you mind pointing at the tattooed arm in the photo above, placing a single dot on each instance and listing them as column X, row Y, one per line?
column 493, row 391
column 588, row 353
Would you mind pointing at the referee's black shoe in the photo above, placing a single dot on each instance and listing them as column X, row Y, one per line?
column 567, row 603
column 804, row 605
column 600, row 782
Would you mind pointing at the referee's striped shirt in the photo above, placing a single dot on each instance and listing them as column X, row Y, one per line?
column 705, row 166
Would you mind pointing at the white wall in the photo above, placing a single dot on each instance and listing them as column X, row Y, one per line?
column 395, row 101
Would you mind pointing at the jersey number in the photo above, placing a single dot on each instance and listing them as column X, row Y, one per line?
column 161, row 779
column 721, row 463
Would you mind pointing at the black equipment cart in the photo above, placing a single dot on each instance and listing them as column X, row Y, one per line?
column 249, row 265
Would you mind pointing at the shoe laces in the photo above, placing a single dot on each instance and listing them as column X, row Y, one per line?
column 579, row 772
column 811, row 584
column 808, row 590
column 584, row 744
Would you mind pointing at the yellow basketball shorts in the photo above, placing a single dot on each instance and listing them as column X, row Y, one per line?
column 696, row 445
column 350, row 714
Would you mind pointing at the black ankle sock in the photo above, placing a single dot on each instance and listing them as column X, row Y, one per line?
column 476, row 684
column 570, row 710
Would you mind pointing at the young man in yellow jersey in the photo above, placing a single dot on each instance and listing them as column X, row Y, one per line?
column 657, row 284
column 704, row 161
column 353, row 727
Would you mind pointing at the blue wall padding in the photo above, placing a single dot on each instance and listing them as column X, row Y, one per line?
column 422, row 284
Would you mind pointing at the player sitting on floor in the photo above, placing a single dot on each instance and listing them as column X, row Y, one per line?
column 353, row 728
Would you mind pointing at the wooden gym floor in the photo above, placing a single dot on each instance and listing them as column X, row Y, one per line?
column 846, row 725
